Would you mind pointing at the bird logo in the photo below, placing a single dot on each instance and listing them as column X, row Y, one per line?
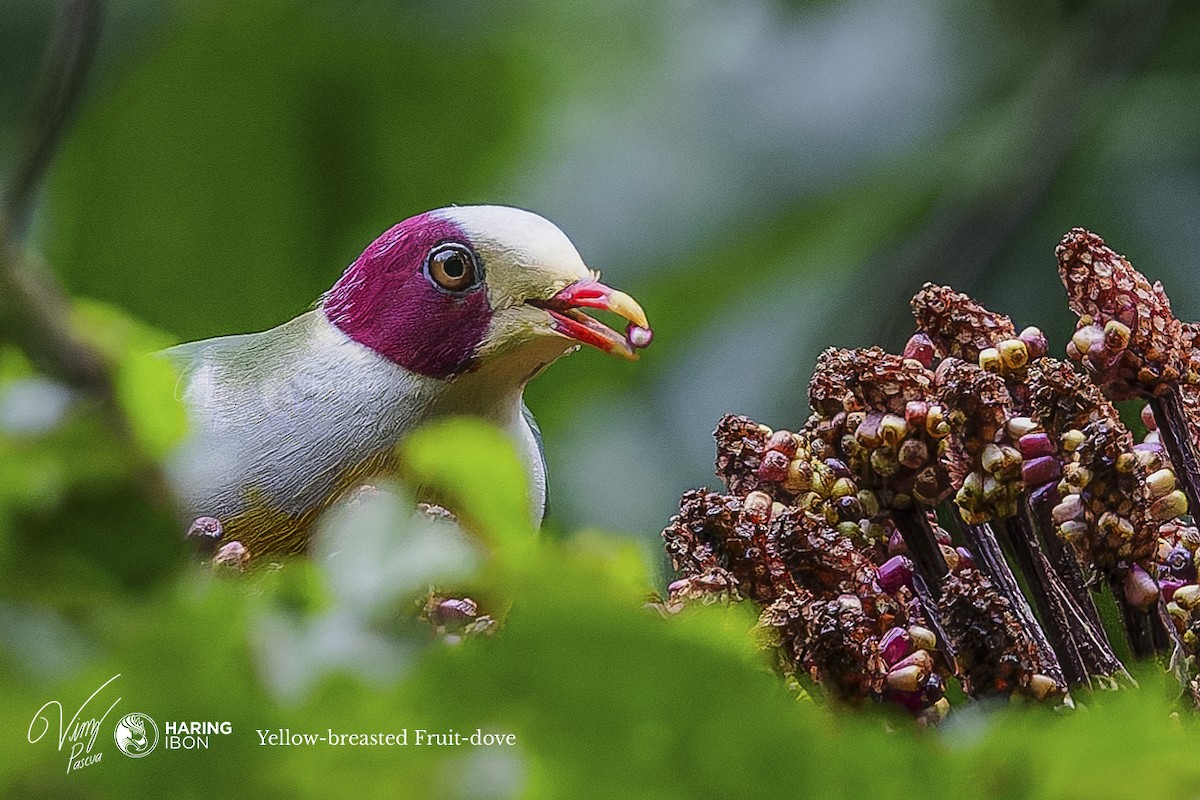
column 136, row 735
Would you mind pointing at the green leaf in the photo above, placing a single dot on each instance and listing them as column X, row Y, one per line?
column 145, row 383
column 146, row 390
column 375, row 550
column 475, row 468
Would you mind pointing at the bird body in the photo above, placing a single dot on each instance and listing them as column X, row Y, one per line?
column 283, row 422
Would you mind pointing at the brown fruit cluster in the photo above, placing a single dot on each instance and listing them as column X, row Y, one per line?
column 831, row 529
column 981, row 455
column 816, row 560
column 824, row 560
column 993, row 652
column 876, row 413
column 957, row 326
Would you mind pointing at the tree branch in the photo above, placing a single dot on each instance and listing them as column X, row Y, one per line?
column 35, row 311
column 67, row 70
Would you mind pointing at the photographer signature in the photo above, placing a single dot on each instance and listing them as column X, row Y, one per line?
column 80, row 732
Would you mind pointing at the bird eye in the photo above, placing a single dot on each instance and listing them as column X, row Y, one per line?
column 452, row 267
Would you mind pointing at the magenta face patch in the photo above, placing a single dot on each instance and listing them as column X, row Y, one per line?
column 385, row 301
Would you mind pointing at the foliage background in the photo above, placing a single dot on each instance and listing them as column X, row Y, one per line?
column 767, row 177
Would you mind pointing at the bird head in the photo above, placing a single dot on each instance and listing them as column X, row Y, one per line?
column 456, row 289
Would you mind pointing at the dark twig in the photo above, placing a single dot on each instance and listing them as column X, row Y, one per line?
column 1047, row 596
column 914, row 526
column 34, row 309
column 1084, row 649
column 928, row 599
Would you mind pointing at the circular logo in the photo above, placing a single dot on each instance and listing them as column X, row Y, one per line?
column 136, row 735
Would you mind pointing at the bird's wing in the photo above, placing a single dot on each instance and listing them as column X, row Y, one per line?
column 280, row 419
column 541, row 450
column 190, row 356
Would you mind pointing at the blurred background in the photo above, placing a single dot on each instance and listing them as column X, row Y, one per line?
column 769, row 177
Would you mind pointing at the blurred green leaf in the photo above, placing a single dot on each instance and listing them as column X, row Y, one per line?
column 476, row 467
column 375, row 550
column 605, row 696
column 146, row 384
column 146, row 390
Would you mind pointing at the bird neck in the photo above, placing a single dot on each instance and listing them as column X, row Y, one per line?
column 492, row 391
column 499, row 378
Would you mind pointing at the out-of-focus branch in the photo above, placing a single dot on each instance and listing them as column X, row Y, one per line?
column 67, row 69
column 34, row 313
column 34, row 310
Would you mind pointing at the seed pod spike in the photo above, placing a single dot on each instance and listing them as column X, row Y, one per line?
column 982, row 445
column 1144, row 351
column 1134, row 345
column 957, row 325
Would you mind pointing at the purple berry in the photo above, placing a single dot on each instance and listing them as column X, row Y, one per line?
column 897, row 571
column 1168, row 587
column 1180, row 564
column 638, row 337
column 1041, row 470
column 920, row 348
column 965, row 559
column 1033, row 445
column 774, row 466
column 895, row 645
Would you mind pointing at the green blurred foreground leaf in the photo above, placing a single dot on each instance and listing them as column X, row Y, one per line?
column 474, row 466
column 74, row 518
column 146, row 383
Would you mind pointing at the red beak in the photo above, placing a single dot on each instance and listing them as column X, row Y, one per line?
column 564, row 309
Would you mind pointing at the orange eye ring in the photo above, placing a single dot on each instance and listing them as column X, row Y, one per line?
column 452, row 268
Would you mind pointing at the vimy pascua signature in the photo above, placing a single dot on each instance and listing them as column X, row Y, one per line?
column 80, row 732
